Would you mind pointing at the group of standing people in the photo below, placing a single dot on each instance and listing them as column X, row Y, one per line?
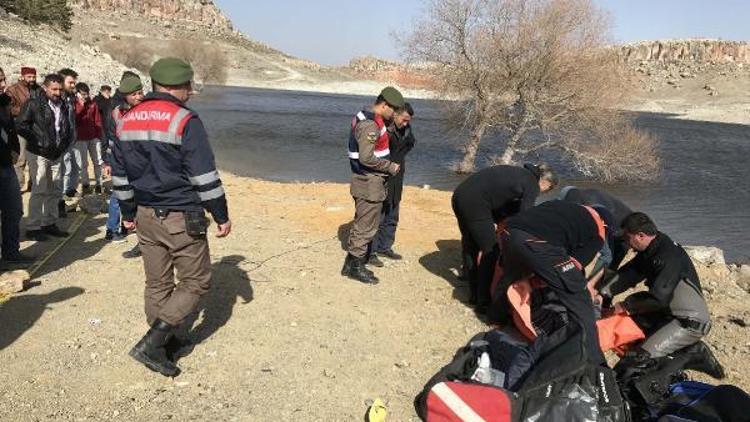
column 58, row 127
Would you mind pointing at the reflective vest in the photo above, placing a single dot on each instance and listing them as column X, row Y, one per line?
column 155, row 120
column 116, row 116
column 382, row 148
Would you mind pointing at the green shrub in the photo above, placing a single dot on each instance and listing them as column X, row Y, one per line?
column 53, row 12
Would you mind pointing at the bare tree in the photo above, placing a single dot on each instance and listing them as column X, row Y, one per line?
column 536, row 72
column 209, row 62
column 132, row 53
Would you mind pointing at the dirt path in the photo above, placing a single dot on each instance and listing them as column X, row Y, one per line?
column 283, row 336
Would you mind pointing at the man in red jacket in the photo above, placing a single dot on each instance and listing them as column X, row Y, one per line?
column 90, row 130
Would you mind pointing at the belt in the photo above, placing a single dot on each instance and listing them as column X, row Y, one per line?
column 693, row 324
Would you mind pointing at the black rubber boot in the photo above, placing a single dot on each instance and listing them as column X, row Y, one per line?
column 178, row 348
column 357, row 271
column 634, row 364
column 702, row 359
column 151, row 350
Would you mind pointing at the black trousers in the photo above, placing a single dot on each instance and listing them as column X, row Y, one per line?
column 477, row 236
column 524, row 254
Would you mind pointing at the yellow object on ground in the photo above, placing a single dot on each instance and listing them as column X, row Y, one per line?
column 377, row 412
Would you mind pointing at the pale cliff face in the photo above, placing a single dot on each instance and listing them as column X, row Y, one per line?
column 693, row 51
column 202, row 12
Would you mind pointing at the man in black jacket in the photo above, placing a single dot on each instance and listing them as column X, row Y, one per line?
column 45, row 123
column 103, row 100
column 401, row 141
column 672, row 312
column 11, row 207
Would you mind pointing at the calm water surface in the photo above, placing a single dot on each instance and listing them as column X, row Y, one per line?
column 702, row 197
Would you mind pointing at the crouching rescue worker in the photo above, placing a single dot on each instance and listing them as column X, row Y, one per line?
column 559, row 242
column 370, row 165
column 618, row 209
column 164, row 176
column 479, row 203
column 673, row 312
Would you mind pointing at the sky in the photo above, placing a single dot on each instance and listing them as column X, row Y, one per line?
column 332, row 32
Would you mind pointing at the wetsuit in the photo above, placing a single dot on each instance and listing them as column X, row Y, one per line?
column 554, row 240
column 616, row 207
column 479, row 202
column 673, row 312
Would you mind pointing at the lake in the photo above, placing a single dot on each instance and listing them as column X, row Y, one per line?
column 701, row 198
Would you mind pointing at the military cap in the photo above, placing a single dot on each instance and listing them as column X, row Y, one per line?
column 171, row 71
column 130, row 84
column 392, row 96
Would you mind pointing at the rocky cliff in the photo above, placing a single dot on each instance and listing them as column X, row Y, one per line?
column 202, row 12
column 692, row 51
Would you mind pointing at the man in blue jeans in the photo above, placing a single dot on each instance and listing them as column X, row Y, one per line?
column 129, row 94
column 401, row 141
column 11, row 207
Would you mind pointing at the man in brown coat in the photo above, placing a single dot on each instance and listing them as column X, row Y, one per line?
column 19, row 93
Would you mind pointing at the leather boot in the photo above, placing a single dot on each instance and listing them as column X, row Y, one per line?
column 702, row 359
column 373, row 260
column 178, row 348
column 347, row 268
column 151, row 351
column 357, row 271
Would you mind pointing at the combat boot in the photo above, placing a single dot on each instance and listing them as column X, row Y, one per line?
column 373, row 260
column 357, row 271
column 178, row 348
column 151, row 351
column 347, row 268
column 701, row 359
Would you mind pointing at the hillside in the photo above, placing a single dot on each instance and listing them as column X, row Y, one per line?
column 49, row 50
column 155, row 25
column 692, row 79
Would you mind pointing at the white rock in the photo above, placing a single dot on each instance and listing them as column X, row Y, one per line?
column 706, row 255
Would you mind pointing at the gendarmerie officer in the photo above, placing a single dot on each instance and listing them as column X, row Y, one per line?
column 479, row 203
column 369, row 161
column 164, row 175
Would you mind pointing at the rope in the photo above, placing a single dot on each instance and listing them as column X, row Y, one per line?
column 34, row 268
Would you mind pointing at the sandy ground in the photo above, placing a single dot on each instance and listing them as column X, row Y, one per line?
column 282, row 335
column 710, row 95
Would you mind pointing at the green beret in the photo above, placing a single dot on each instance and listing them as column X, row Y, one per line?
column 171, row 71
column 393, row 96
column 130, row 84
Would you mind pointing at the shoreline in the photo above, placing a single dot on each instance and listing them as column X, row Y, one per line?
column 731, row 111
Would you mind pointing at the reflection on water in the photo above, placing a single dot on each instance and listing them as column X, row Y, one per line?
column 701, row 198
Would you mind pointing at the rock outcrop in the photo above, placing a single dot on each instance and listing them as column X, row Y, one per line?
column 706, row 255
column 48, row 50
column 202, row 12
column 692, row 51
